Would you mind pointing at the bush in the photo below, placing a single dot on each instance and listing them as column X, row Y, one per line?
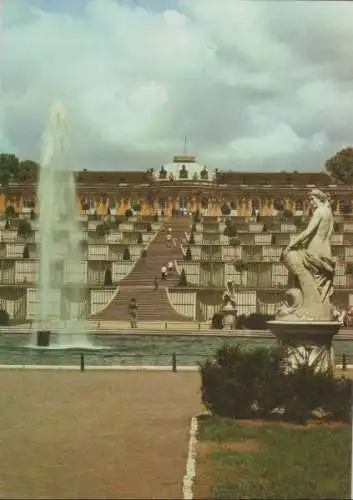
column 254, row 321
column 240, row 383
column 149, row 227
column 182, row 279
column 25, row 254
column 139, row 238
column 102, row 230
column 32, row 215
column 24, row 229
column 10, row 211
column 217, row 321
column 287, row 214
column 192, row 239
column 230, row 229
column 128, row 213
column 126, row 254
column 108, row 279
column 225, row 209
column 4, row 317
column 188, row 254
column 7, row 224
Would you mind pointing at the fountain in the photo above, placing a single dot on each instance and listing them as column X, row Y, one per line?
column 61, row 288
column 305, row 324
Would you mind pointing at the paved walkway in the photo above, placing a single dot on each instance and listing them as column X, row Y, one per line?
column 95, row 435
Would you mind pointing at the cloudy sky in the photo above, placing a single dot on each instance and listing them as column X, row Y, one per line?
column 254, row 85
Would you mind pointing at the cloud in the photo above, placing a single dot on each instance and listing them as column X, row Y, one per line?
column 254, row 85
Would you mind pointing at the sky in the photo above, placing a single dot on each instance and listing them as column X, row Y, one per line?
column 254, row 85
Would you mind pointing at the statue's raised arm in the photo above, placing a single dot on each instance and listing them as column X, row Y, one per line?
column 308, row 257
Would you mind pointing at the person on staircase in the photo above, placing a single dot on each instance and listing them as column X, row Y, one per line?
column 164, row 272
column 155, row 282
column 133, row 313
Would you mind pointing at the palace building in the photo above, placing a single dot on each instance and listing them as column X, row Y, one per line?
column 186, row 185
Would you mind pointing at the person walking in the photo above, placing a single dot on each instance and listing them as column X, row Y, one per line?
column 133, row 313
column 164, row 272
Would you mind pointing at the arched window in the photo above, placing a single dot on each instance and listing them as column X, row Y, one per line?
column 204, row 203
column 299, row 205
column 183, row 202
column 162, row 202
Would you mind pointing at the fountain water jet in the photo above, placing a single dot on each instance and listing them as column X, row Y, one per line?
column 61, row 289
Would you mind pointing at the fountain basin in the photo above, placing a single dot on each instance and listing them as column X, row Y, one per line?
column 308, row 343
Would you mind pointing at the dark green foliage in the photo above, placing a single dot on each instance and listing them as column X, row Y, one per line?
column 7, row 224
column 10, row 212
column 128, row 213
column 4, row 317
column 139, row 238
column 126, row 254
column 108, row 279
column 254, row 321
column 287, row 214
column 182, row 279
column 217, row 321
column 32, row 215
column 188, row 254
column 240, row 383
column 102, row 230
column 278, row 205
column 192, row 239
column 24, row 229
column 340, row 166
column 225, row 209
column 25, row 254
column 230, row 229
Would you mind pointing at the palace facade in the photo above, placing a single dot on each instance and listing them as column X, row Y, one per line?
column 186, row 185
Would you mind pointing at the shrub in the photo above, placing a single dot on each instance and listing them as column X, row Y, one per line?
column 139, row 238
column 126, row 254
column 24, row 229
column 4, row 317
column 149, row 227
column 217, row 321
column 25, row 254
column 128, row 213
column 182, row 278
column 7, row 224
column 108, row 279
column 188, row 254
column 287, row 213
column 240, row 265
column 10, row 211
column 240, row 383
column 225, row 209
column 192, row 239
column 32, row 215
column 254, row 321
column 102, row 230
column 230, row 229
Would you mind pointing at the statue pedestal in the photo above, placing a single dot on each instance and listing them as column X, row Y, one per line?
column 307, row 343
column 43, row 338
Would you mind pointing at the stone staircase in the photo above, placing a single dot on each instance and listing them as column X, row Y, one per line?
column 153, row 305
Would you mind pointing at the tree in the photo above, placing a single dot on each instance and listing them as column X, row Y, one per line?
column 108, row 280
column 225, row 209
column 340, row 165
column 10, row 211
column 182, row 279
column 25, row 254
column 9, row 167
column 24, row 229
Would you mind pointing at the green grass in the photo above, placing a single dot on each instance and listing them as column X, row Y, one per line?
column 289, row 462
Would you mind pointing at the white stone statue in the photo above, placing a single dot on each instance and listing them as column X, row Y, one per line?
column 229, row 307
column 308, row 257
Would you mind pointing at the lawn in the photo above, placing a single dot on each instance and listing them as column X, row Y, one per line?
column 249, row 459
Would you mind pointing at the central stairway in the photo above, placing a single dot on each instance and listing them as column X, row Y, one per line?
column 153, row 305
